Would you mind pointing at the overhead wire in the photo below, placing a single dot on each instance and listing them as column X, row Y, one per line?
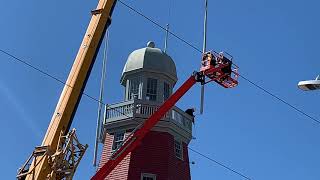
column 280, row 99
column 46, row 74
column 159, row 25
column 219, row 163
column 200, row 51
column 33, row 67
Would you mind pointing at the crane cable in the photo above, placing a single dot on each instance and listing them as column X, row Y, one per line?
column 100, row 100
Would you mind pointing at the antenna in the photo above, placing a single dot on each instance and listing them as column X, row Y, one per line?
column 205, row 22
column 204, row 47
column 166, row 39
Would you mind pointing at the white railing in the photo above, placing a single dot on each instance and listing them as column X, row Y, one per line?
column 144, row 109
column 118, row 111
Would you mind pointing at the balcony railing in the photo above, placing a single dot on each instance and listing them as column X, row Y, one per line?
column 143, row 109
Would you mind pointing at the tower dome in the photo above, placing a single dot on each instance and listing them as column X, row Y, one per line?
column 149, row 59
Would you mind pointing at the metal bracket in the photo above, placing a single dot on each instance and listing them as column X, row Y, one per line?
column 96, row 11
column 199, row 77
column 63, row 162
column 26, row 169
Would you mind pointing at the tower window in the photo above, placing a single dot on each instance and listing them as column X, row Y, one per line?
column 151, row 89
column 134, row 88
column 147, row 176
column 118, row 139
column 166, row 91
column 178, row 149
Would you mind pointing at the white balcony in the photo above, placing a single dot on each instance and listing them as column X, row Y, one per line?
column 142, row 109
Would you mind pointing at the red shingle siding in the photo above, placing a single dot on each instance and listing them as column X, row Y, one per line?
column 155, row 155
column 121, row 171
column 179, row 169
column 106, row 150
column 151, row 156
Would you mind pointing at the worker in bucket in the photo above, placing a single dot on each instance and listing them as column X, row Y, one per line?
column 190, row 112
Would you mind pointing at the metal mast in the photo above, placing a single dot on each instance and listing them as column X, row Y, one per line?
column 103, row 77
column 204, row 47
column 166, row 39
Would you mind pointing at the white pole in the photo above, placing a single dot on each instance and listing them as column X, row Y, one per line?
column 204, row 47
column 103, row 76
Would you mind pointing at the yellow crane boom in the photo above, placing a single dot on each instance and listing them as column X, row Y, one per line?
column 44, row 158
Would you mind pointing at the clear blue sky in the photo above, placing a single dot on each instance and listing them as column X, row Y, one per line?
column 275, row 43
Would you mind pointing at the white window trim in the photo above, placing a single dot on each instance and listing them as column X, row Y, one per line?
column 148, row 175
column 169, row 90
column 148, row 94
column 114, row 139
column 138, row 80
column 181, row 146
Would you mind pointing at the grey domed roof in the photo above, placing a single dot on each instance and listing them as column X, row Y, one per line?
column 150, row 59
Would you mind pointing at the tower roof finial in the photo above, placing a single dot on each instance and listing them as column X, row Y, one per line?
column 151, row 44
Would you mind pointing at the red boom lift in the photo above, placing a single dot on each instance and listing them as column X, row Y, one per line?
column 214, row 67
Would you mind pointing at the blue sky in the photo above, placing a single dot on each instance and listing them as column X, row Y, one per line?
column 275, row 44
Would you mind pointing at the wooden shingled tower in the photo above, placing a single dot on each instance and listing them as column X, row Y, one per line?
column 148, row 77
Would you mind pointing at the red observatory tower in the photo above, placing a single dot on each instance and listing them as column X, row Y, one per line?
column 149, row 76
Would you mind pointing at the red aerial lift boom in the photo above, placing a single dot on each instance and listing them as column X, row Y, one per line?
column 214, row 67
